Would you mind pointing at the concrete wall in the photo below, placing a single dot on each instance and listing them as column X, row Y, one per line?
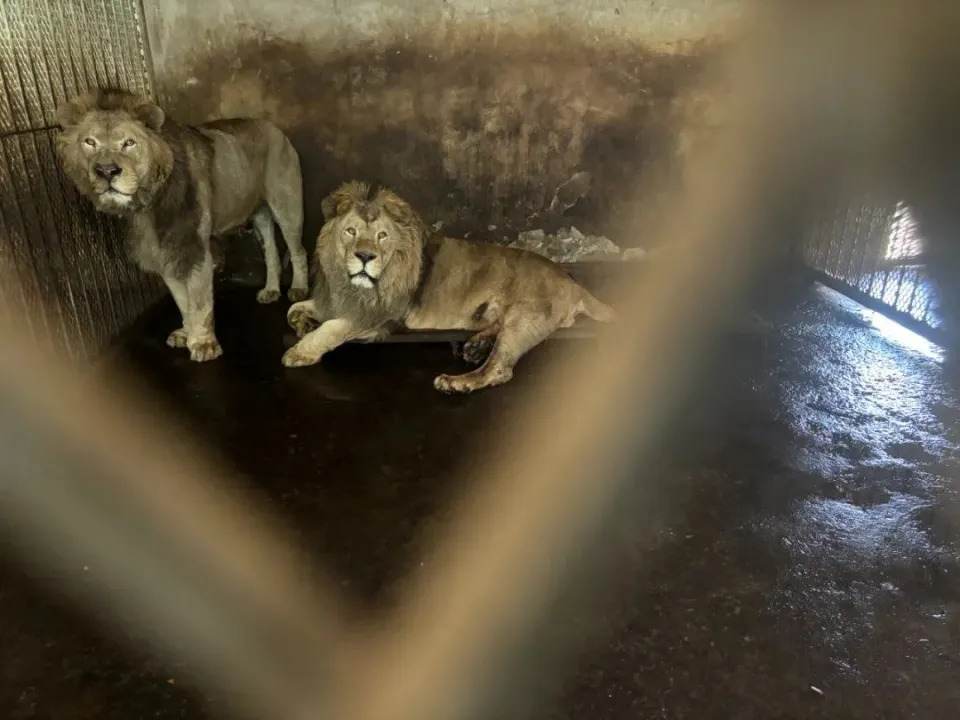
column 476, row 111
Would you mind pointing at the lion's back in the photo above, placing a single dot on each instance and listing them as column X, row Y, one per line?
column 249, row 156
column 240, row 126
column 467, row 285
column 254, row 136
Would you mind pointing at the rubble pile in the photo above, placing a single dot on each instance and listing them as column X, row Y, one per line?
column 569, row 245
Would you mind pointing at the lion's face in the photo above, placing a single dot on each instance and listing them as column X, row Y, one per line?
column 366, row 247
column 370, row 249
column 112, row 155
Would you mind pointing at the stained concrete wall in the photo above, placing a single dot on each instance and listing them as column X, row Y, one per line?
column 476, row 111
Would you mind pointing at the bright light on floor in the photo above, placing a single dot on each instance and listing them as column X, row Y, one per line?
column 904, row 336
column 891, row 330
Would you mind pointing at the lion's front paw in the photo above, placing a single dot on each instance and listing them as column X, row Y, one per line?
column 296, row 294
column 301, row 321
column 294, row 357
column 205, row 350
column 177, row 339
column 267, row 296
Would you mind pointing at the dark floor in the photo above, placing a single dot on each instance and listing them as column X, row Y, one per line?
column 813, row 571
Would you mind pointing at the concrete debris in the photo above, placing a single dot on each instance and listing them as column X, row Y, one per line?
column 530, row 238
column 568, row 245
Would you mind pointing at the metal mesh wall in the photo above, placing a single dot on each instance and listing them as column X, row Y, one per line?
column 875, row 252
column 76, row 287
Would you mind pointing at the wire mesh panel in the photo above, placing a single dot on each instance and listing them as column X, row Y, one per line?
column 876, row 252
column 76, row 288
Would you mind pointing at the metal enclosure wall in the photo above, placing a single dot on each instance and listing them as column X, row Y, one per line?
column 74, row 284
column 874, row 251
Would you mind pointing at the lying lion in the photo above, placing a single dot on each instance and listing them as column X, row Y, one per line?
column 177, row 186
column 379, row 270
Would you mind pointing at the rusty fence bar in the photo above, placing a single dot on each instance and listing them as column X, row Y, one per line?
column 91, row 479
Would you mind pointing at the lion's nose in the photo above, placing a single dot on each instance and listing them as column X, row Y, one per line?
column 107, row 171
column 364, row 256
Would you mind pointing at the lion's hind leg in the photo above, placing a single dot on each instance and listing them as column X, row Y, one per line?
column 522, row 329
column 478, row 347
column 263, row 222
column 284, row 191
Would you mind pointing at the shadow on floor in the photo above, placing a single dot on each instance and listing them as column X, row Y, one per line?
column 809, row 570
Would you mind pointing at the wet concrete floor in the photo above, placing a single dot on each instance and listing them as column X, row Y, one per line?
column 811, row 569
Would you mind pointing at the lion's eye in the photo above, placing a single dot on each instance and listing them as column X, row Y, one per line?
column 91, row 142
column 129, row 143
column 382, row 235
column 351, row 231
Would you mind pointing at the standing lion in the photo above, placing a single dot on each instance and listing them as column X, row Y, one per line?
column 378, row 270
column 177, row 186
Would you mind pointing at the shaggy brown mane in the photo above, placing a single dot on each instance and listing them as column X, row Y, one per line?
column 368, row 201
column 100, row 106
column 111, row 100
column 401, row 277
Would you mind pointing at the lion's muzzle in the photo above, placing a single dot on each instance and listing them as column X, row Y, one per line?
column 364, row 268
column 363, row 279
column 107, row 171
column 113, row 183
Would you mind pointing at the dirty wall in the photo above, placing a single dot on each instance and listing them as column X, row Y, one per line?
column 478, row 112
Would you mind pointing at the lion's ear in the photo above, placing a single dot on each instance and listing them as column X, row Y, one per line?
column 344, row 198
column 329, row 207
column 398, row 208
column 336, row 204
column 70, row 113
column 150, row 115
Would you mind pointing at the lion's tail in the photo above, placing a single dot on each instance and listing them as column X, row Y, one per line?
column 595, row 309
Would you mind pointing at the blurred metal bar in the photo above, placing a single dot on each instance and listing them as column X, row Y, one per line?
column 124, row 513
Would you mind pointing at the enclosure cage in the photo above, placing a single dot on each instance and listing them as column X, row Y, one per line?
column 79, row 291
column 506, row 119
